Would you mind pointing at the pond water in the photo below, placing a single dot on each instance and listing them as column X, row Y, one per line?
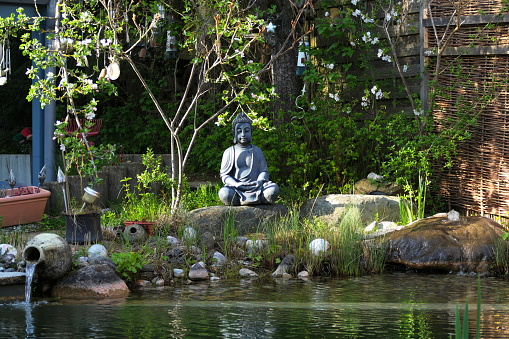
column 394, row 305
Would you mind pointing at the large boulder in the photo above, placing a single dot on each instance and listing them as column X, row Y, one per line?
column 94, row 281
column 246, row 219
column 441, row 244
column 330, row 208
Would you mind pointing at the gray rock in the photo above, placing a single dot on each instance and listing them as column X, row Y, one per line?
column 176, row 256
column 437, row 243
column 97, row 249
column 247, row 219
column 219, row 260
column 330, row 208
column 198, row 272
column 303, row 275
column 245, row 272
column 98, row 260
column 178, row 273
column 172, row 241
column 286, row 264
column 94, row 281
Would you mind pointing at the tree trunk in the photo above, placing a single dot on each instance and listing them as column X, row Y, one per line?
column 287, row 83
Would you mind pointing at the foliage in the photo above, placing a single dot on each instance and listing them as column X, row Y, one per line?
column 412, row 205
column 203, row 196
column 147, row 200
column 128, row 264
column 461, row 329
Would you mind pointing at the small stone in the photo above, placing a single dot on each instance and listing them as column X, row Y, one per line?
column 142, row 283
column 286, row 276
column 214, row 279
column 97, row 260
column 158, row 281
column 178, row 273
column 319, row 245
column 374, row 176
column 97, row 250
column 285, row 265
column 198, row 272
column 218, row 259
column 8, row 249
column 303, row 274
column 172, row 241
column 245, row 272
column 453, row 215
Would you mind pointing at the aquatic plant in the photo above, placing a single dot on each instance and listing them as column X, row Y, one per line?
column 461, row 328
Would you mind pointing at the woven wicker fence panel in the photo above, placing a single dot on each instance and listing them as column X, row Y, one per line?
column 446, row 8
column 472, row 36
column 479, row 178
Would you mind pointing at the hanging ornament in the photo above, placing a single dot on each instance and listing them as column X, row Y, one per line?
column 5, row 61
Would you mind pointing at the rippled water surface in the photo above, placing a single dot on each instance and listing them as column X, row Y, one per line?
column 399, row 305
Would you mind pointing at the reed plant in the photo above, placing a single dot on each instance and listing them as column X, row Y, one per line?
column 412, row 205
column 461, row 330
column 501, row 255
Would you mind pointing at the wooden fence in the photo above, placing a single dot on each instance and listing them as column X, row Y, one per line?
column 478, row 48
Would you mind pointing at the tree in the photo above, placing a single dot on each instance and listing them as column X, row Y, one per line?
column 91, row 38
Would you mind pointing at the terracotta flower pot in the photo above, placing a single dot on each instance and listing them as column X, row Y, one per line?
column 25, row 206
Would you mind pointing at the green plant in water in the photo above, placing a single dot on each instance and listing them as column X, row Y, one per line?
column 461, row 328
column 128, row 264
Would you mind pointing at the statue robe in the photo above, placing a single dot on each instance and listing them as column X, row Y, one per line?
column 258, row 165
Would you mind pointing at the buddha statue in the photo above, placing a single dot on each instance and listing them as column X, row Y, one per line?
column 244, row 170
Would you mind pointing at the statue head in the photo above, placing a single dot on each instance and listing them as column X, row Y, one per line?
column 241, row 118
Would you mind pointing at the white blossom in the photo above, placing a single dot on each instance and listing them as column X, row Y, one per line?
column 416, row 112
column 326, row 13
column 313, row 106
column 105, row 42
column 85, row 42
column 364, row 103
column 62, row 147
column 405, row 68
column 354, row 2
column 90, row 115
column 357, row 12
column 3, row 81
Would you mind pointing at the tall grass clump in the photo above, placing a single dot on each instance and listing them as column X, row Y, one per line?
column 348, row 253
column 346, row 246
column 501, row 255
column 412, row 205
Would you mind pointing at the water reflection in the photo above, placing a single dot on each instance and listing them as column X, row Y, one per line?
column 388, row 306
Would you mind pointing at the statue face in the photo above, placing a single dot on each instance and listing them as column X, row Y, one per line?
column 243, row 133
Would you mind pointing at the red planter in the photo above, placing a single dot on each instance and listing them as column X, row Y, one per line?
column 26, row 206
